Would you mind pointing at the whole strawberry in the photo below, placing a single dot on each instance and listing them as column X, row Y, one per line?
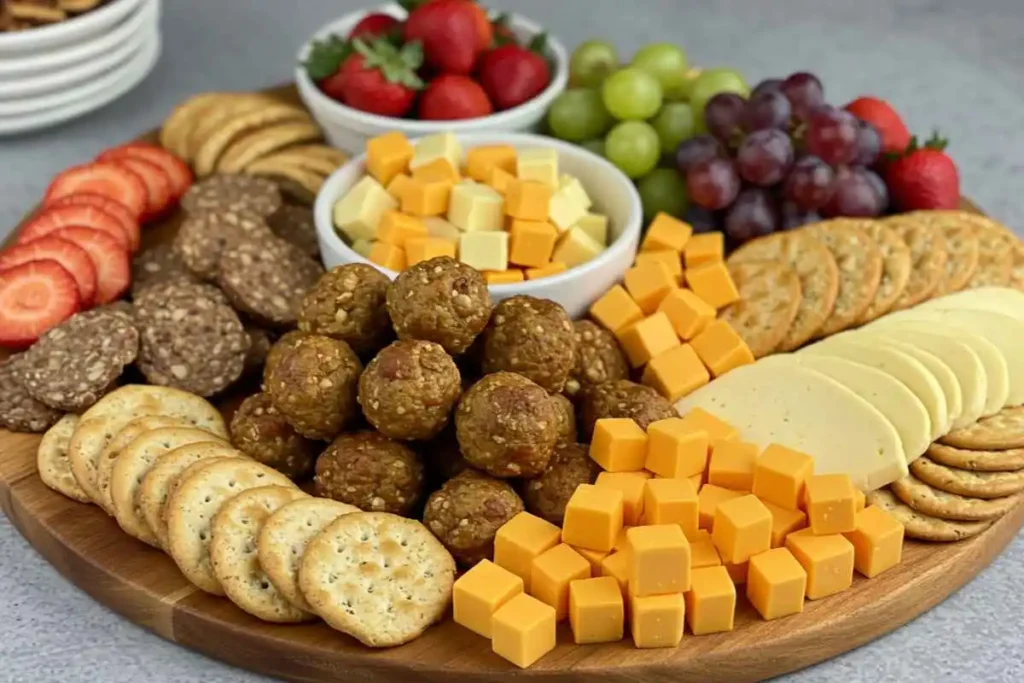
column 373, row 25
column 885, row 119
column 923, row 177
column 450, row 32
column 374, row 77
column 449, row 97
column 511, row 74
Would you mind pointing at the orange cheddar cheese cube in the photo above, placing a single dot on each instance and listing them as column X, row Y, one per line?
column 596, row 610
column 701, row 420
column 828, row 561
column 657, row 620
column 784, row 522
column 552, row 572
column 388, row 155
column 705, row 248
column 618, row 444
column 711, row 601
column 593, row 518
column 738, row 572
column 622, row 540
column 688, row 312
column 776, row 584
column 712, row 282
column 721, row 349
column 547, row 270
column 397, row 228
column 616, row 565
column 708, row 499
column 594, row 557
column 831, row 503
column 731, row 464
column 615, row 310
column 675, row 449
column 425, row 248
column 672, row 501
column 781, row 474
column 480, row 161
column 676, row 372
column 398, row 185
column 478, row 594
column 532, row 243
column 877, row 541
column 741, row 529
column 666, row 232
column 648, row 338
column 659, row 556
column 527, row 200
column 388, row 256
column 499, row 179
column 631, row 485
column 648, row 285
column 522, row 539
column 503, row 277
column 439, row 169
column 666, row 257
column 697, row 480
column 703, row 552
column 859, row 499
column 426, row 197
column 523, row 630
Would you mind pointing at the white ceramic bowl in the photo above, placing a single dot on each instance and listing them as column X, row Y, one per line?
column 34, row 42
column 349, row 129
column 613, row 194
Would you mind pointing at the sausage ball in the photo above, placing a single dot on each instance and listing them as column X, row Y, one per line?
column 547, row 495
column 347, row 303
column 598, row 358
column 623, row 398
column 467, row 512
column 260, row 431
column 440, row 300
column 409, row 389
column 277, row 350
column 314, row 385
column 507, row 426
column 442, row 456
column 566, row 412
column 533, row 337
column 370, row 471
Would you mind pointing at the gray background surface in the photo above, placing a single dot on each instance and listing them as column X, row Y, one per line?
column 953, row 65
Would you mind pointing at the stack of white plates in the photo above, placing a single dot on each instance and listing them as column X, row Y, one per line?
column 55, row 73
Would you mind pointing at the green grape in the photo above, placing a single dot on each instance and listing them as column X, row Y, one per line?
column 667, row 63
column 591, row 63
column 579, row 114
column 674, row 123
column 689, row 78
column 663, row 189
column 708, row 84
column 634, row 147
column 596, row 146
column 631, row 95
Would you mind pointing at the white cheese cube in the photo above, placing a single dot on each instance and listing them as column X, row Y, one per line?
column 539, row 164
column 564, row 210
column 363, row 247
column 596, row 226
column 440, row 228
column 574, row 188
column 358, row 213
column 437, row 146
column 476, row 207
column 484, row 250
column 576, row 247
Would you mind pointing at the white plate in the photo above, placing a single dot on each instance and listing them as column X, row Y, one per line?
column 17, row 68
column 132, row 75
column 34, row 41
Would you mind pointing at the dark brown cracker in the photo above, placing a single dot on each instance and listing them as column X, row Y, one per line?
column 859, row 263
column 769, row 299
column 1001, row 431
column 1009, row 460
column 19, row 412
column 996, row 245
column 966, row 482
column 203, row 237
column 932, row 501
column 895, row 270
column 921, row 526
column 928, row 258
column 295, row 224
column 156, row 265
column 233, row 193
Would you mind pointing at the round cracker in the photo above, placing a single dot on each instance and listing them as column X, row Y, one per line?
column 769, row 300
column 192, row 507
column 966, row 482
column 996, row 245
column 87, row 442
column 215, row 117
column 962, row 247
column 214, row 146
column 174, row 132
column 922, row 526
column 932, row 501
column 380, row 578
column 311, row 162
column 52, row 459
column 895, row 270
column 131, row 431
column 1017, row 268
column 927, row 258
column 1001, row 431
column 299, row 183
column 258, row 144
column 1009, row 460
column 235, row 529
column 859, row 262
column 323, row 152
column 284, row 537
column 135, row 400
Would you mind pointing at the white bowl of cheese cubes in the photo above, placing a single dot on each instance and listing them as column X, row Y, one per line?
column 536, row 216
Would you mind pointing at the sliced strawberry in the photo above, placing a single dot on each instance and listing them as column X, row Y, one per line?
column 113, row 269
column 110, row 180
column 159, row 196
column 34, row 297
column 176, row 169
column 107, row 205
column 56, row 217
column 69, row 255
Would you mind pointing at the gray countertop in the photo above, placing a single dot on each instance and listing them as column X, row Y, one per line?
column 946, row 64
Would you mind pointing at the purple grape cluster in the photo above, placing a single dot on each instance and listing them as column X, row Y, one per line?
column 779, row 159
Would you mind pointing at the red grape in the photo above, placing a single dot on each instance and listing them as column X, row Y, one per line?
column 855, row 195
column 722, row 115
column 753, row 214
column 791, row 216
column 713, row 183
column 805, row 92
column 832, row 135
column 768, row 109
column 767, row 85
column 869, row 144
column 879, row 185
column 701, row 219
column 810, row 184
column 764, row 157
column 695, row 150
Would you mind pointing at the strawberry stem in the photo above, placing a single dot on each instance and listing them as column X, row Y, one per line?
column 326, row 57
column 397, row 65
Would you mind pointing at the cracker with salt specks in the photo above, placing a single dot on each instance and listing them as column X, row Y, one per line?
column 996, row 244
column 928, row 258
column 135, row 400
column 131, row 431
column 895, row 270
column 962, row 247
column 769, row 299
column 380, row 578
column 859, row 263
column 966, row 482
column 87, row 442
column 932, row 501
column 236, row 528
column 52, row 459
column 1009, row 460
column 921, row 526
column 1001, row 431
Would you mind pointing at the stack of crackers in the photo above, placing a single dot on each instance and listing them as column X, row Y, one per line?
column 845, row 272
column 19, row 15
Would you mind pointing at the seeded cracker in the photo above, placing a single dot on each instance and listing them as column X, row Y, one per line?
column 962, row 247
column 895, row 270
column 769, row 300
column 859, row 264
column 52, row 459
column 1003, row 430
column 1009, row 460
column 267, row 279
column 19, row 412
column 966, row 482
column 921, row 526
column 157, row 265
column 232, row 194
column 996, row 245
column 296, row 225
column 205, row 235
column 928, row 258
column 937, row 503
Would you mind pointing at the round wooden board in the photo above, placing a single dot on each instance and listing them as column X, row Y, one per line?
column 145, row 586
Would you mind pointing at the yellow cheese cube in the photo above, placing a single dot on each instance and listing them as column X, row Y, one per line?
column 711, row 601
column 631, row 485
column 547, row 270
column 616, row 565
column 676, row 373
column 594, row 557
column 859, row 499
column 359, row 212
column 520, row 540
column 484, row 250
column 731, row 465
column 667, row 258
column 721, row 348
column 618, row 444
column 441, row 228
column 523, row 630
column 648, row 285
column 552, row 572
column 503, row 277
column 708, row 247
column 622, row 540
column 426, row 198
column 657, row 620
column 828, row 561
column 575, row 189
column 595, row 226
column 776, row 584
column 593, row 518
column 712, row 282
column 596, row 610
column 398, row 185
column 697, row 480
column 437, row 146
column 481, row 160
column 476, row 207
column 666, row 232
column 675, row 449
column 781, row 474
column 831, row 503
column 703, row 552
column 672, row 501
column 648, row 338
column 565, row 209
column 708, row 499
column 716, row 429
column 576, row 247
column 387, row 156
column 784, row 522
column 532, row 243
column 478, row 593
column 439, row 169
column 659, row 556
column 877, row 541
column 737, row 572
column 397, row 228
column 388, row 256
column 539, row 164
column 499, row 180
column 616, row 310
column 363, row 247
column 426, row 248
column 528, row 201
column 688, row 312
column 741, row 529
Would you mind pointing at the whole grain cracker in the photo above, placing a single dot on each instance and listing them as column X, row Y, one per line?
column 296, row 225
column 157, row 265
column 52, row 459
column 927, row 257
column 380, row 578
column 922, row 526
column 895, row 270
column 1001, row 431
column 298, row 183
column 1009, row 460
column 259, row 144
column 19, row 412
column 966, row 482
column 204, row 235
column 937, row 503
column 769, row 299
column 233, row 193
column 234, row 559
column 130, row 432
column 217, row 142
column 135, row 400
column 996, row 245
column 962, row 247
column 859, row 262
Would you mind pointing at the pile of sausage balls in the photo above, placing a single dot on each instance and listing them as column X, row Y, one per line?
column 465, row 412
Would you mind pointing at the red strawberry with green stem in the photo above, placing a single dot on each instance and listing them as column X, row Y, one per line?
column 885, row 119
column 449, row 97
column 451, row 33
column 376, row 77
column 923, row 177
column 374, row 25
column 511, row 74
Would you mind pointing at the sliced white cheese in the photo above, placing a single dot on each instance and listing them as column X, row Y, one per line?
column 996, row 299
column 805, row 410
column 942, row 374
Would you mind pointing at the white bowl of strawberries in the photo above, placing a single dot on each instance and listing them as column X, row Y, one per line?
column 446, row 65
